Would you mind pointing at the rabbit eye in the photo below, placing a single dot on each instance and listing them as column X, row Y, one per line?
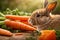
column 38, row 15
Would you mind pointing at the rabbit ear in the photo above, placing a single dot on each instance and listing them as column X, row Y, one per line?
column 51, row 6
column 45, row 3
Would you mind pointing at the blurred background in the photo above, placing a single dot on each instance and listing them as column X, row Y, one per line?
column 22, row 7
column 26, row 5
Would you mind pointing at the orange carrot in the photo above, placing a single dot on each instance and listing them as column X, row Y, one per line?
column 18, row 25
column 5, row 32
column 14, row 17
column 47, row 35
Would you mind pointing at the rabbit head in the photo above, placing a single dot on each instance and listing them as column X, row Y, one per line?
column 42, row 16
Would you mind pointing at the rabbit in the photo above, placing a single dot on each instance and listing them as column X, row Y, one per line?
column 43, row 19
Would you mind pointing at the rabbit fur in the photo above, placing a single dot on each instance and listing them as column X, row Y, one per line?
column 43, row 19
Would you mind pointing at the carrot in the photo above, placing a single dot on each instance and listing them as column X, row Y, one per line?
column 18, row 25
column 5, row 32
column 47, row 35
column 23, row 19
column 14, row 17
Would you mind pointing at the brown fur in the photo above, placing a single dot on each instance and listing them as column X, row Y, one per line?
column 43, row 19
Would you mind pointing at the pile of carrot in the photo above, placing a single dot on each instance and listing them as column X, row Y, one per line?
column 18, row 22
column 21, row 23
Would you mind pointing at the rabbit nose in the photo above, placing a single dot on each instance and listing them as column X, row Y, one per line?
column 31, row 21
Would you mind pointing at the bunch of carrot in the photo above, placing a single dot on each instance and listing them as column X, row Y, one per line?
column 18, row 22
column 21, row 23
column 45, row 34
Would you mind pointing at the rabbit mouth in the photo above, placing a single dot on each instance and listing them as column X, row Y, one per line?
column 32, row 22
